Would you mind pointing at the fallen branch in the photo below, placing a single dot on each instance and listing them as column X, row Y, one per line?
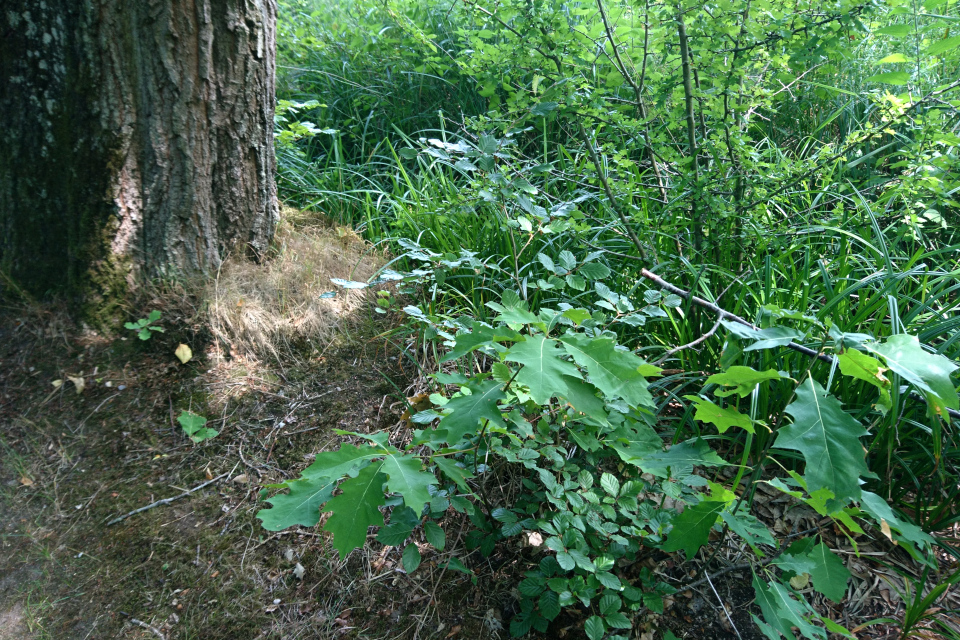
column 726, row 315
column 168, row 500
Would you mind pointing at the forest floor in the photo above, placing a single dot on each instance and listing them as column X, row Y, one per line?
column 104, row 441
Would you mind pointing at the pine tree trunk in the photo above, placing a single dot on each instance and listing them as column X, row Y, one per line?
column 136, row 140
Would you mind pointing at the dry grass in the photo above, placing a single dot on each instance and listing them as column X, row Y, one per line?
column 271, row 310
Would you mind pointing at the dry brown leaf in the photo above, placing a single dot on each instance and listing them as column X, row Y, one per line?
column 78, row 382
column 183, row 353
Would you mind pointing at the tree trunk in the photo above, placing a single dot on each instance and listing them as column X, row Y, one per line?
column 136, row 140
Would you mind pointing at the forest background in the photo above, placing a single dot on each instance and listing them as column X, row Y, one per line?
column 543, row 170
column 666, row 298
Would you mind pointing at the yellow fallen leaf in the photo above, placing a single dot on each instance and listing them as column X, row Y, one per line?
column 800, row 582
column 885, row 530
column 183, row 353
column 78, row 382
column 57, row 384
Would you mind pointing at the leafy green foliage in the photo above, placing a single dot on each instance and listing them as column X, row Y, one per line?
column 829, row 440
column 145, row 326
column 193, row 426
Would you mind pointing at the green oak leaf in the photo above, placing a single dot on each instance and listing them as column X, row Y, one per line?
column 880, row 511
column 615, row 372
column 480, row 335
column 691, row 529
column 336, row 464
column 356, row 509
column 743, row 379
column 859, row 365
column 929, row 372
column 749, row 528
column 680, row 460
column 453, row 471
column 829, row 440
column 469, row 410
column 314, row 487
column 635, row 443
column 721, row 417
column 301, row 505
column 543, row 371
column 406, row 476
column 829, row 575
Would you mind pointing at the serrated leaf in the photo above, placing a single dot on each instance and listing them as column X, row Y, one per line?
column 410, row 558
column 618, row 621
column 895, row 30
column 721, row 417
column 691, row 529
column 191, row 422
column 891, row 77
column 394, row 534
column 479, row 336
column 594, row 271
column 609, row 603
column 608, row 580
column 469, row 410
column 893, row 58
column 406, row 476
column 942, row 46
column 829, row 440
column 543, row 109
column 829, row 575
column 743, row 379
column 594, row 628
column 576, row 282
column 610, row 484
column 543, row 372
column 356, row 509
column 566, row 561
column 615, row 372
column 928, row 372
column 549, row 605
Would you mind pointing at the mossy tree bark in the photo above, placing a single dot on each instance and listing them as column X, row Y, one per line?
column 137, row 140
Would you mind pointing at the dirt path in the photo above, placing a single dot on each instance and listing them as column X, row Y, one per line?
column 201, row 566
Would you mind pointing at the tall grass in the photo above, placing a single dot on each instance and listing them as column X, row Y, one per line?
column 839, row 246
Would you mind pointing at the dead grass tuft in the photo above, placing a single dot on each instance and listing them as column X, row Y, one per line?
column 271, row 310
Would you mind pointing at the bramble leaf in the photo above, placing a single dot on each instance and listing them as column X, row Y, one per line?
column 829, row 440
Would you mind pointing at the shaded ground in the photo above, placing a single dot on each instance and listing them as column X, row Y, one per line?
column 202, row 566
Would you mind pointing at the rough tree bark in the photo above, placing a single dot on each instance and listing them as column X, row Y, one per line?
column 136, row 140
